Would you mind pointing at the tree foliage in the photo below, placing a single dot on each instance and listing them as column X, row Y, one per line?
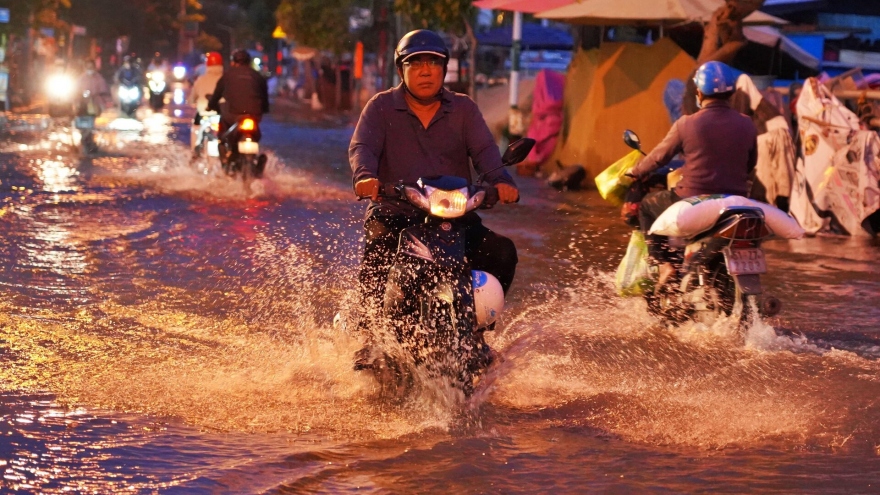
column 36, row 13
column 208, row 43
column 321, row 24
column 443, row 15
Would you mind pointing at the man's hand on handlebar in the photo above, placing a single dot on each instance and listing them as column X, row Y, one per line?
column 367, row 188
column 507, row 193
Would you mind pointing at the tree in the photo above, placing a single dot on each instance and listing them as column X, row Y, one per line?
column 722, row 38
column 320, row 24
column 207, row 43
column 25, row 14
column 454, row 16
column 150, row 24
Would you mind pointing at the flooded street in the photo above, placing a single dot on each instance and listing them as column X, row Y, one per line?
column 164, row 328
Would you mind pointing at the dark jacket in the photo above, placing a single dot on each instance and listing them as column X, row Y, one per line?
column 391, row 144
column 720, row 150
column 245, row 90
column 129, row 76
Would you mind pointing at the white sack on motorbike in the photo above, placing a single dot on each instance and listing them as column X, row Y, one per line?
column 691, row 216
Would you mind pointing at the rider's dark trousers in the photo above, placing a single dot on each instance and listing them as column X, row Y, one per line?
column 650, row 208
column 486, row 251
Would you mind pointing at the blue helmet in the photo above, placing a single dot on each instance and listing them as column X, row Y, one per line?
column 714, row 78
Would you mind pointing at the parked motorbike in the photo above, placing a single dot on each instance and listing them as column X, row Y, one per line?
column 129, row 98
column 437, row 307
column 158, row 88
column 718, row 271
column 239, row 149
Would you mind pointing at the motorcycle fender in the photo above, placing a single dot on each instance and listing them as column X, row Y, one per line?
column 748, row 284
column 431, row 262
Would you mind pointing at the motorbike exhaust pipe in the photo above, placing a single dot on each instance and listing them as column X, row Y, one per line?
column 771, row 306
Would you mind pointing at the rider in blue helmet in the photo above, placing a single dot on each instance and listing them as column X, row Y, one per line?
column 714, row 78
column 719, row 148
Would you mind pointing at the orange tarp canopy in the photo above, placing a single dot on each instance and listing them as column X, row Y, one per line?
column 609, row 89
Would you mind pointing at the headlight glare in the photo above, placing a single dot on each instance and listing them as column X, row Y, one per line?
column 447, row 204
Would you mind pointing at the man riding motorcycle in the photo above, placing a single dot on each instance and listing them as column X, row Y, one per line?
column 95, row 85
column 129, row 74
column 203, row 87
column 244, row 89
column 719, row 146
column 414, row 130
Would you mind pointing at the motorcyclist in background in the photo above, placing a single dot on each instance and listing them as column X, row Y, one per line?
column 419, row 129
column 203, row 88
column 719, row 146
column 244, row 89
column 128, row 73
column 99, row 94
column 157, row 63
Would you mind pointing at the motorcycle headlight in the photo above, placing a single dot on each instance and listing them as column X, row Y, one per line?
column 157, row 76
column 447, row 204
column 128, row 93
column 179, row 72
column 415, row 196
column 59, row 86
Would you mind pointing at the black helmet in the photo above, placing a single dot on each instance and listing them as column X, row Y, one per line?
column 241, row 57
column 420, row 41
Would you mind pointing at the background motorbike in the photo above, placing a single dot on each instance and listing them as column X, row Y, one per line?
column 86, row 113
column 158, row 88
column 239, row 149
column 179, row 84
column 207, row 143
column 59, row 95
column 438, row 308
column 129, row 98
column 718, row 271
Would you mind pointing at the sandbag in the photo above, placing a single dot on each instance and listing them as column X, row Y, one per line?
column 690, row 216
column 569, row 177
column 632, row 277
column 613, row 182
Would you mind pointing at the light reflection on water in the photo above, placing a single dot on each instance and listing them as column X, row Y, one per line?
column 181, row 323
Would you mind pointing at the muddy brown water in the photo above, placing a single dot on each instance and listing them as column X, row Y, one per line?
column 164, row 329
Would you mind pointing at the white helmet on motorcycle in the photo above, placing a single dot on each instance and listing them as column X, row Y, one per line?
column 488, row 297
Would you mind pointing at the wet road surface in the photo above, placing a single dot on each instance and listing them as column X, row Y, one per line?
column 164, row 328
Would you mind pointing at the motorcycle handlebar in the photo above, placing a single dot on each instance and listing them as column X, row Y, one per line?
column 390, row 191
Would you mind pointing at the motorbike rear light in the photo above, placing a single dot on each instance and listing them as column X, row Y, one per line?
column 247, row 125
column 745, row 228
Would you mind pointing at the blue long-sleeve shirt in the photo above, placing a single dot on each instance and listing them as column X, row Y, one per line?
column 391, row 144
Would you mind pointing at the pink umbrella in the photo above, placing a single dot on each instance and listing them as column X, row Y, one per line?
column 527, row 6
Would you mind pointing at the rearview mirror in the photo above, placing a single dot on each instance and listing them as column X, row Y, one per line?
column 632, row 140
column 517, row 151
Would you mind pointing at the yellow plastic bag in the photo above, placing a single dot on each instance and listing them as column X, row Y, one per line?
column 632, row 278
column 613, row 183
